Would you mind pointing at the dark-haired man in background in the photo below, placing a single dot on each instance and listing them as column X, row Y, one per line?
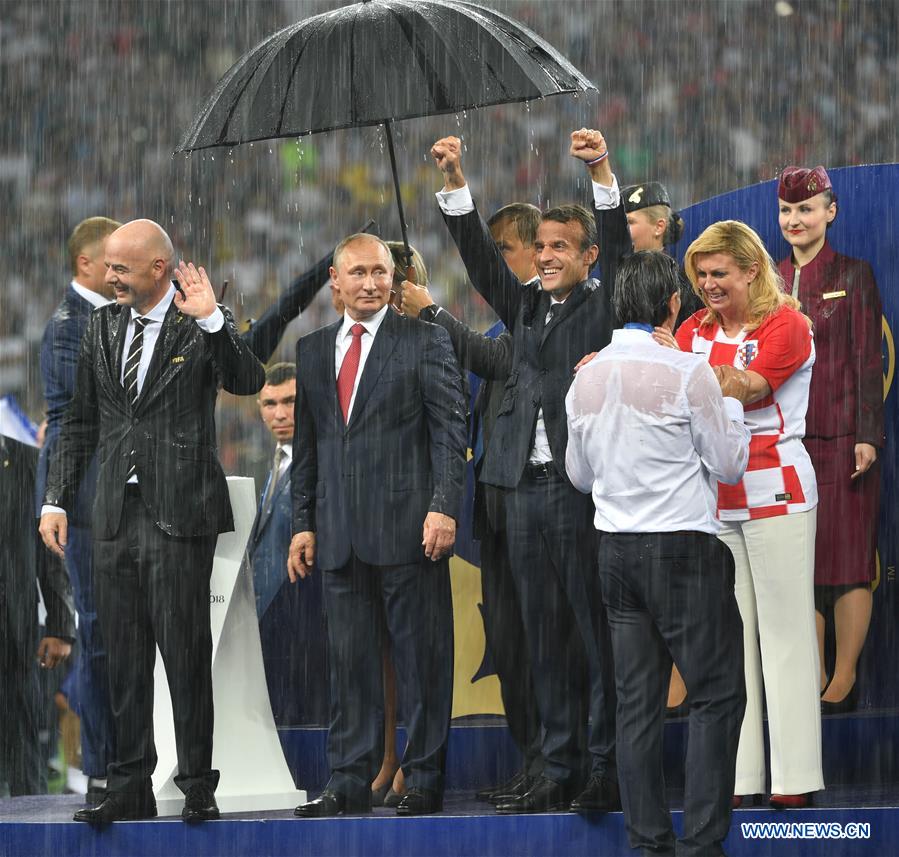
column 296, row 667
column 667, row 580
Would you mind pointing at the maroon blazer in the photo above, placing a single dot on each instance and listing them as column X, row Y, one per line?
column 840, row 295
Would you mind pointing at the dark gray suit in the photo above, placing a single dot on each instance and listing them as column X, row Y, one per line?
column 548, row 522
column 365, row 489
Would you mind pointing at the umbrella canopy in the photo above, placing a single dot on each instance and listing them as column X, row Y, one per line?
column 376, row 62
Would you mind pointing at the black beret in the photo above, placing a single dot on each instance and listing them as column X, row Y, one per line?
column 637, row 196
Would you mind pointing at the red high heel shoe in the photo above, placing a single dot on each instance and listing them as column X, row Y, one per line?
column 789, row 801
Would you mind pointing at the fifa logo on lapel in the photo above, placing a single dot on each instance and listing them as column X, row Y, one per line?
column 747, row 352
column 178, row 359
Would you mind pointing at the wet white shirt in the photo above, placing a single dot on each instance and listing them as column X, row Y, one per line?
column 650, row 435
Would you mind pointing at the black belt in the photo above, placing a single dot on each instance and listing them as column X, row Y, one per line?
column 544, row 470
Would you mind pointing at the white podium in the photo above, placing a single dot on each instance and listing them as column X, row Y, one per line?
column 245, row 749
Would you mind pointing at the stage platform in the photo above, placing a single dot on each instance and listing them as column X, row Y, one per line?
column 42, row 826
column 858, row 749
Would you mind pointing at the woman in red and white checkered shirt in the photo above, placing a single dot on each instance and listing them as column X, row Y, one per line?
column 752, row 329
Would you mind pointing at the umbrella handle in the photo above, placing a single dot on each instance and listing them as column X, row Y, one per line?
column 407, row 252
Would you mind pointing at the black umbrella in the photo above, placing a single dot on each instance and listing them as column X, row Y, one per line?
column 376, row 62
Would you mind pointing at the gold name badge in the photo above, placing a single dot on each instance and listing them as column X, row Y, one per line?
column 829, row 296
column 178, row 359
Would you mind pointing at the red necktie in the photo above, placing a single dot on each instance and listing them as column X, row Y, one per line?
column 346, row 378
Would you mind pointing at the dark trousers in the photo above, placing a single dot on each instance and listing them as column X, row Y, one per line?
column 153, row 589
column 552, row 550
column 671, row 595
column 507, row 642
column 92, row 682
column 412, row 605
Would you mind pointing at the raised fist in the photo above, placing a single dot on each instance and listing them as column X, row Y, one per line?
column 447, row 154
column 587, row 144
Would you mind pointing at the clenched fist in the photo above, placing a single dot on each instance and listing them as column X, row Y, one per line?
column 587, row 145
column 447, row 154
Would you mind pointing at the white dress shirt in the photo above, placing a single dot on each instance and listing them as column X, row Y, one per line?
column 154, row 318
column 650, row 435
column 92, row 297
column 455, row 203
column 345, row 339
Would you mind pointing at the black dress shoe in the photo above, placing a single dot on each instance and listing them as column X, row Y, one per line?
column 502, row 789
column 330, row 803
column 95, row 795
column 545, row 795
column 510, row 789
column 600, row 795
column 420, row 802
column 199, row 804
column 119, row 806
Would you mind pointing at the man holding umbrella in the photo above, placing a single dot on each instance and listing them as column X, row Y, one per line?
column 548, row 521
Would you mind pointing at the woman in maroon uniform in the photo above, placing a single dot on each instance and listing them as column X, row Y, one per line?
column 844, row 425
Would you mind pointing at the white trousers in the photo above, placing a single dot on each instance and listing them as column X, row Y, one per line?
column 775, row 571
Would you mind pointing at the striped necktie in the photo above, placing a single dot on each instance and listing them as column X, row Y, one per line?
column 129, row 380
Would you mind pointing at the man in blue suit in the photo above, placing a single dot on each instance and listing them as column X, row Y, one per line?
column 296, row 667
column 59, row 359
column 377, row 477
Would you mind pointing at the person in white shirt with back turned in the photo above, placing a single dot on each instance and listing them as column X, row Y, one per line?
column 650, row 432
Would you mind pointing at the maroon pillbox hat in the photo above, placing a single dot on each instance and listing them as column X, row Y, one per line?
column 798, row 183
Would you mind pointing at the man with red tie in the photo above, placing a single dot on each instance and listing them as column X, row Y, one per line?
column 376, row 480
